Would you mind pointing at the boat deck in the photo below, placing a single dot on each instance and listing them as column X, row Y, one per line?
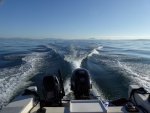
column 119, row 109
column 23, row 104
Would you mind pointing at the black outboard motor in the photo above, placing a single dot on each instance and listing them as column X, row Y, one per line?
column 52, row 90
column 81, row 83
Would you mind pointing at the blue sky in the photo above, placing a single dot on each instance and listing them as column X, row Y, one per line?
column 75, row 19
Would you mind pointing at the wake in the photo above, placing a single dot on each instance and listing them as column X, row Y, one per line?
column 137, row 73
column 15, row 78
column 75, row 59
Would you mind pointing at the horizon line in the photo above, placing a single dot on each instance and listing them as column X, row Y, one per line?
column 110, row 38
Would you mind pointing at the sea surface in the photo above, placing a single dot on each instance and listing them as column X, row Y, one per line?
column 113, row 65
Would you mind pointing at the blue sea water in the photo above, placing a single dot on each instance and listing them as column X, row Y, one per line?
column 113, row 64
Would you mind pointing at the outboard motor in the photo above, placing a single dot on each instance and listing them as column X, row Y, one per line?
column 81, row 83
column 51, row 90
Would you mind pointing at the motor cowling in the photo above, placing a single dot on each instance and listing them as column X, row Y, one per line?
column 81, row 83
column 51, row 89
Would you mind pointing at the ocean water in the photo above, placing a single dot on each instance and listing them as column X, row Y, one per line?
column 113, row 64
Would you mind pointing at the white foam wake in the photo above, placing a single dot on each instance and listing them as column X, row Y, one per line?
column 75, row 62
column 75, row 57
column 96, row 91
column 67, row 86
column 138, row 72
column 95, row 51
column 14, row 78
